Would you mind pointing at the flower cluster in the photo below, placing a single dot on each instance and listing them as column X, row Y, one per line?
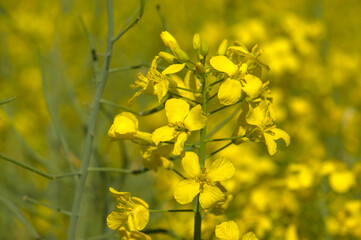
column 184, row 89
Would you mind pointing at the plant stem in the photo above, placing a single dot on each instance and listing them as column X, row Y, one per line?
column 188, row 90
column 27, row 166
column 202, row 158
column 219, row 149
column 224, row 139
column 86, row 154
column 7, row 100
column 170, row 210
column 28, row 199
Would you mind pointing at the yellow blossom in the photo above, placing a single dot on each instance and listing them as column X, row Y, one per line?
column 229, row 231
column 132, row 211
column 156, row 156
column 203, row 180
column 342, row 181
column 182, row 121
column 125, row 127
column 238, row 81
column 258, row 125
column 154, row 83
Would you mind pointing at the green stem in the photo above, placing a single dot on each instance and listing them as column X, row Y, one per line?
column 121, row 69
column 185, row 98
column 103, row 101
column 224, row 139
column 27, row 166
column 226, row 106
column 170, row 210
column 31, row 200
column 87, row 150
column 218, row 150
column 179, row 174
column 162, row 19
column 7, row 100
column 185, row 144
column 223, row 123
column 202, row 158
column 188, row 90
column 17, row 213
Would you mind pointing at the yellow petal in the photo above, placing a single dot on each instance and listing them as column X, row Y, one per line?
column 229, row 92
column 179, row 143
column 161, row 89
column 140, row 202
column 190, row 163
column 342, row 181
column 227, row 231
column 249, row 236
column 221, row 169
column 185, row 191
column 223, row 64
column 140, row 217
column 240, row 50
column 115, row 194
column 125, row 126
column 174, row 68
column 256, row 116
column 253, row 86
column 210, row 196
column 278, row 133
column 115, row 220
column 196, row 119
column 164, row 133
column 134, row 235
column 169, row 40
column 176, row 110
column 270, row 144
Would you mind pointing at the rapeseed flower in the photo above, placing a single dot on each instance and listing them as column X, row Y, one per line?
column 182, row 121
column 132, row 235
column 203, row 181
column 130, row 210
column 238, row 81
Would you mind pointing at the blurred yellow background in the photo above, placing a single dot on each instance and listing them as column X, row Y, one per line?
column 310, row 190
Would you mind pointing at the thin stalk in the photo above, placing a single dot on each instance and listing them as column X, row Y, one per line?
column 185, row 98
column 179, row 174
column 121, row 69
column 226, row 106
column 27, row 166
column 224, row 139
column 219, row 149
column 17, row 213
column 55, row 119
column 210, row 98
column 202, row 158
column 103, row 101
column 31, row 200
column 162, row 19
column 7, row 100
column 188, row 90
column 170, row 210
column 185, row 144
column 224, row 122
column 87, row 150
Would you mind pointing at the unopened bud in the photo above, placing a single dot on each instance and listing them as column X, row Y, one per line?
column 196, row 41
column 204, row 49
column 200, row 70
column 222, row 49
column 181, row 55
column 169, row 58
column 169, row 40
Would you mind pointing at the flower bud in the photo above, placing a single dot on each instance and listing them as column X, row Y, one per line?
column 169, row 40
column 222, row 49
column 200, row 70
column 204, row 48
column 196, row 41
column 169, row 58
column 181, row 55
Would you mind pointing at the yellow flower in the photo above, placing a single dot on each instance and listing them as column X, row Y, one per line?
column 229, row 231
column 130, row 210
column 203, row 180
column 182, row 121
column 132, row 235
column 156, row 156
column 238, row 81
column 265, row 129
column 342, row 181
column 169, row 40
column 125, row 127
